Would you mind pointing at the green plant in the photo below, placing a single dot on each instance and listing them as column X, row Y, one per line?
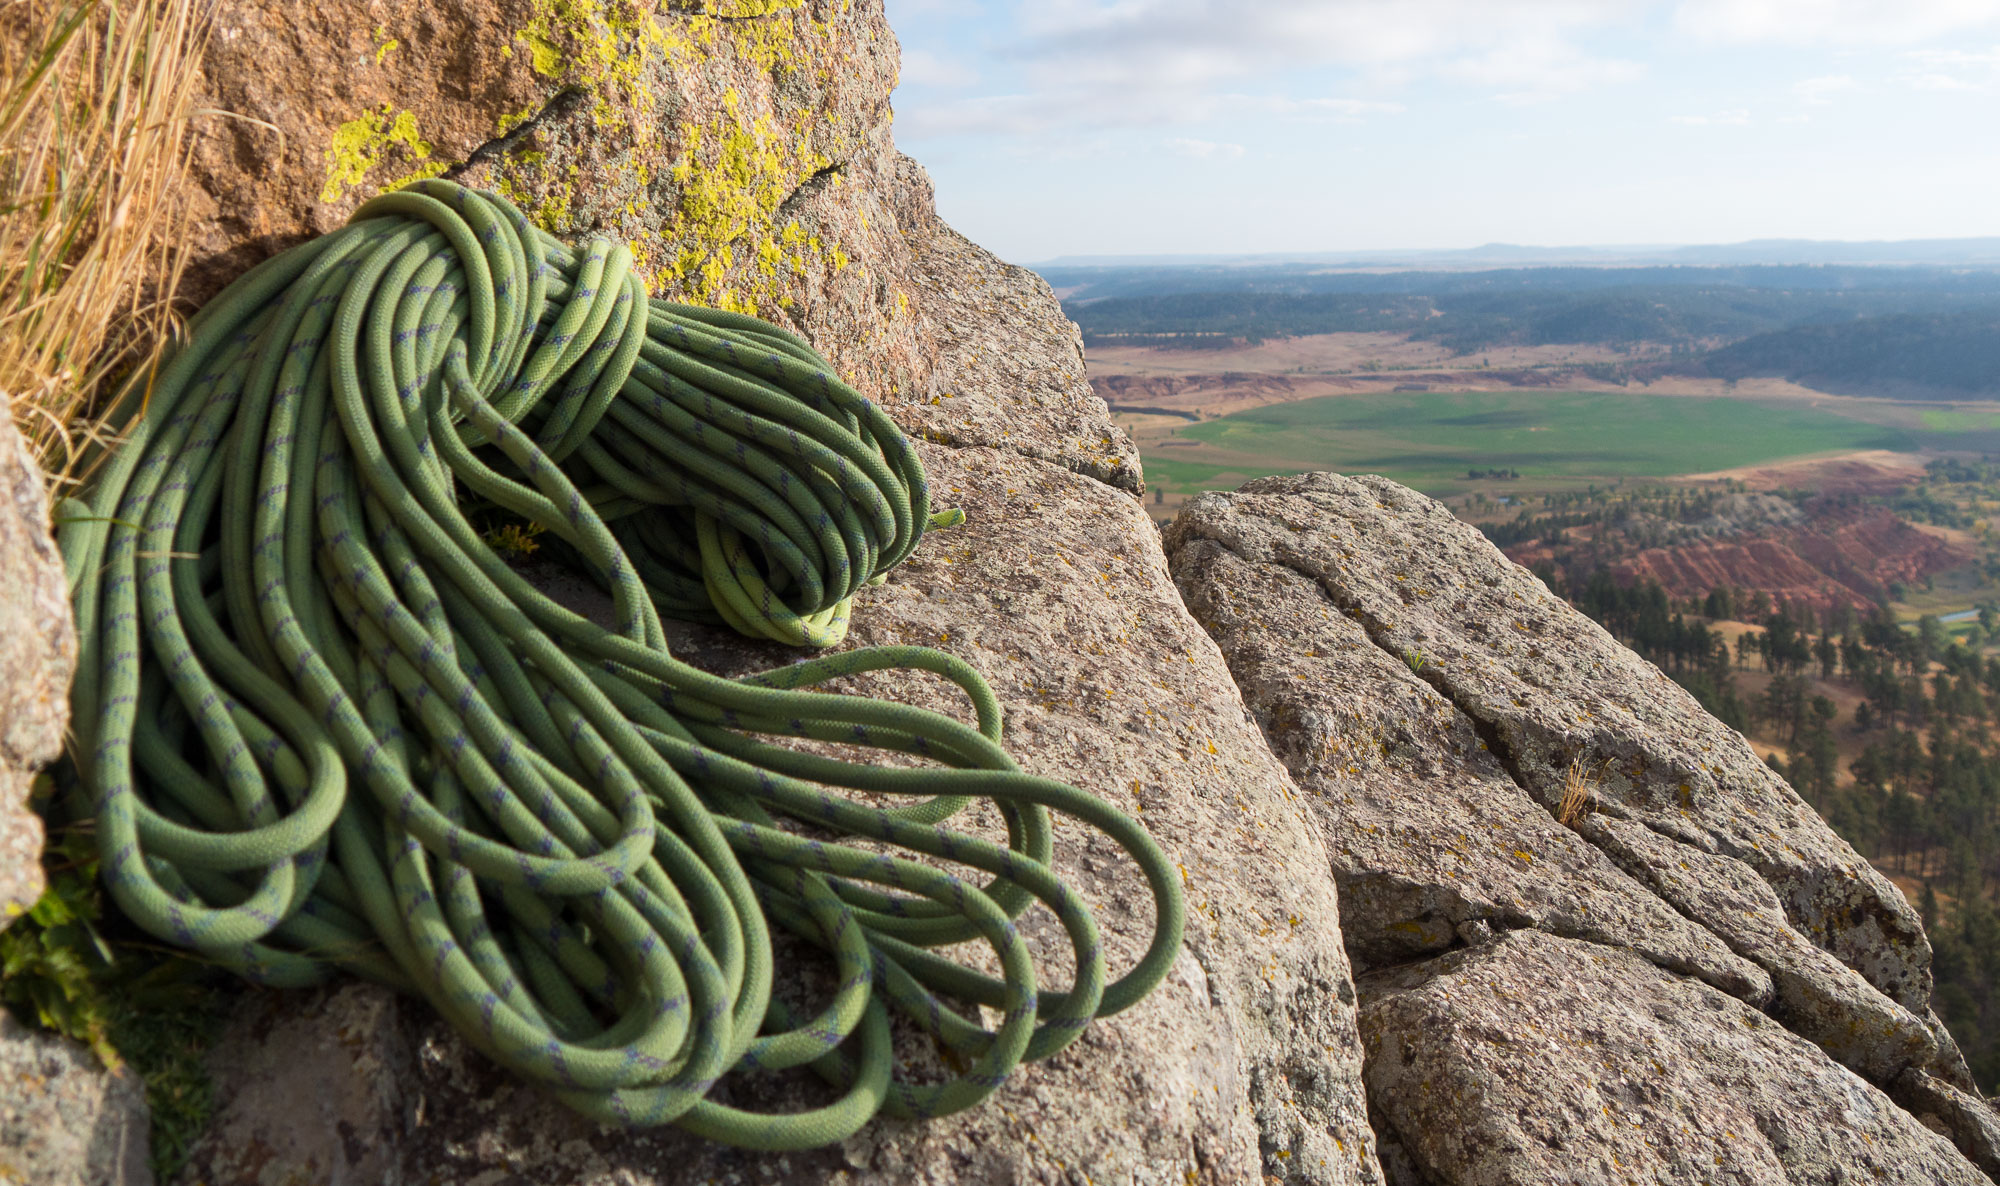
column 514, row 538
column 1414, row 658
column 65, row 967
column 53, row 959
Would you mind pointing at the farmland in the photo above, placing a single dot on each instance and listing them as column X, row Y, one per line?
column 1552, row 439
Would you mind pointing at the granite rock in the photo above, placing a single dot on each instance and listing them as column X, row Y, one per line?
column 1534, row 1058
column 1972, row 1123
column 37, row 658
column 64, row 1119
column 750, row 163
column 310, row 1087
column 1363, row 735
column 1435, row 702
column 1393, row 767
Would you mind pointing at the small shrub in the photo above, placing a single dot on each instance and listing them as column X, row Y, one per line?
column 1578, row 784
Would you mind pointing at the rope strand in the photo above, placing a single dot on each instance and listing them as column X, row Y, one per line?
column 327, row 728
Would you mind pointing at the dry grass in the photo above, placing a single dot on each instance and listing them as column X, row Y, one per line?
column 95, row 100
column 1578, row 783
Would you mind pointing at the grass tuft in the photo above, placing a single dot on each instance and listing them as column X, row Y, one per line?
column 1578, row 783
column 95, row 101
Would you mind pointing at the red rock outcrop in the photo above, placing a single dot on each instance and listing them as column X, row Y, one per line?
column 1850, row 559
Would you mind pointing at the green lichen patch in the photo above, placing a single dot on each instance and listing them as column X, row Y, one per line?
column 374, row 138
column 700, row 196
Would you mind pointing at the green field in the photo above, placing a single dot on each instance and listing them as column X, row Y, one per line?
column 1430, row 439
column 1958, row 421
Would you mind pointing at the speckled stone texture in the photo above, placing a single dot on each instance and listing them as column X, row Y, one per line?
column 1429, row 698
column 1533, row 1059
column 747, row 159
column 311, row 1087
column 65, row 1121
column 63, row 1118
column 37, row 656
column 1972, row 1123
column 751, row 165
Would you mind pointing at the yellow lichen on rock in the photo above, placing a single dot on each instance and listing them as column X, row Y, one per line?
column 361, row 144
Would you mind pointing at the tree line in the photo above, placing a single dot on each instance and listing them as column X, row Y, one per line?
column 1921, row 795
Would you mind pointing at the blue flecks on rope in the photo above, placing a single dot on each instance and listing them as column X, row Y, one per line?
column 328, row 728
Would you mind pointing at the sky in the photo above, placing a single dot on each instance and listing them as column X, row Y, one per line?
column 1110, row 127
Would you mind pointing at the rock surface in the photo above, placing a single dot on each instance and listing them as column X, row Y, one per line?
column 37, row 657
column 750, row 163
column 63, row 1118
column 1972, row 1123
column 65, row 1121
column 1533, row 1059
column 309, row 1088
column 1436, row 702
column 746, row 157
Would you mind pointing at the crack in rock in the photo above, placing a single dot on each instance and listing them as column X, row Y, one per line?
column 559, row 106
column 1428, row 832
column 1418, row 684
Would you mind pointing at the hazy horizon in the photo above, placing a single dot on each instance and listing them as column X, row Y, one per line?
column 1979, row 252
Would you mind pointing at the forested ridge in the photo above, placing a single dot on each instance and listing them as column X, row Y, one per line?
column 1910, row 775
column 1903, row 331
column 1904, row 353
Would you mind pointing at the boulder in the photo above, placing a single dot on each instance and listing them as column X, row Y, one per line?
column 1972, row 1123
column 1678, row 973
column 1532, row 1058
column 64, row 1119
column 750, row 164
column 1432, row 839
column 309, row 1087
column 37, row 657
column 1484, row 759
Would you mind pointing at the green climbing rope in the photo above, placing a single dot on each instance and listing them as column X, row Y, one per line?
column 325, row 726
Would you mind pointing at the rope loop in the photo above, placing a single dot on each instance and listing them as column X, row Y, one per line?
column 327, row 727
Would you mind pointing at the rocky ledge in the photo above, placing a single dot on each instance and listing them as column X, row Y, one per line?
column 1347, row 718
column 1587, row 923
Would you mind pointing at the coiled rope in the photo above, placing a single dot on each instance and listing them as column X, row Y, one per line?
column 327, row 727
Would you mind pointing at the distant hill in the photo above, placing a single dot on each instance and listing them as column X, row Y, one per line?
column 1080, row 286
column 1913, row 355
column 1469, row 314
column 1916, row 332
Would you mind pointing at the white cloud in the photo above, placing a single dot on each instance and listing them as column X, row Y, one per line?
column 1951, row 70
column 1126, row 63
column 1818, row 92
column 923, row 68
column 1203, row 150
column 1344, row 111
column 1733, row 118
column 1939, row 82
column 1531, row 70
column 1832, row 22
column 1182, row 42
column 1016, row 114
